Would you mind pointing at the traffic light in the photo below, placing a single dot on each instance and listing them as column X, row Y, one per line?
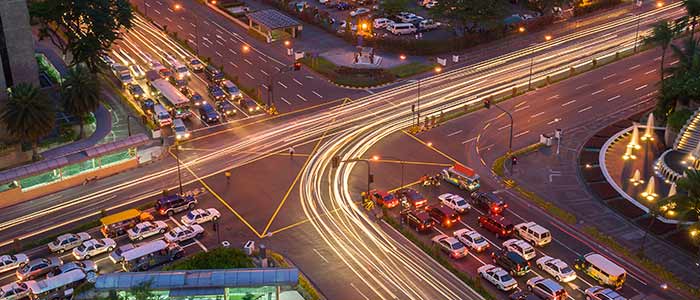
column 335, row 162
column 487, row 103
column 297, row 66
column 513, row 160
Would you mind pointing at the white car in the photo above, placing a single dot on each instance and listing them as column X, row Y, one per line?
column 93, row 247
column 137, row 72
column 431, row 4
column 145, row 229
column 472, row 239
column 181, row 131
column 600, row 293
column 521, row 247
column 455, row 202
column 498, row 277
column 195, row 64
column 68, row 241
column 557, row 268
column 380, row 23
column 14, row 290
column 359, row 11
column 183, row 233
column 11, row 262
column 453, row 247
column 199, row 216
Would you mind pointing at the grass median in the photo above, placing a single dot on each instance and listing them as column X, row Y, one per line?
column 356, row 77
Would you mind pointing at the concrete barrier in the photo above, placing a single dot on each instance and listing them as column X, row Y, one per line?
column 583, row 67
column 604, row 60
column 625, row 52
column 523, row 88
column 539, row 82
column 558, row 76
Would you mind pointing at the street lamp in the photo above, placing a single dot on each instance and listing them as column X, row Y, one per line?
column 177, row 157
column 402, row 57
column 245, row 48
column 521, row 29
column 437, row 70
column 377, row 158
column 178, row 7
column 335, row 163
column 547, row 38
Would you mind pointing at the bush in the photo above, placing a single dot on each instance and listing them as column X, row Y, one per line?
column 217, row 258
column 678, row 118
column 584, row 7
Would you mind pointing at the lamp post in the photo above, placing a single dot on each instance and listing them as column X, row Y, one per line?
column 377, row 158
column 416, row 111
column 178, row 7
column 177, row 157
column 547, row 38
column 487, row 104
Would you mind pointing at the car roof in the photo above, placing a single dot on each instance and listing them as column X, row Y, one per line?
column 443, row 209
column 551, row 284
column 178, row 122
column 515, row 257
column 604, row 264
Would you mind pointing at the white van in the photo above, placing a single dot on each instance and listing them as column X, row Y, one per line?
column 379, row 23
column 401, row 28
column 161, row 116
column 181, row 132
column 58, row 287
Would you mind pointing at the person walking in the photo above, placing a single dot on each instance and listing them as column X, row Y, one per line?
column 291, row 152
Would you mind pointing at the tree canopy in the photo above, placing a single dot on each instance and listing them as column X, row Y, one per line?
column 80, row 93
column 393, row 7
column 471, row 15
column 28, row 114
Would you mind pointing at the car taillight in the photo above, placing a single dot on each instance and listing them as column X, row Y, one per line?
column 528, row 264
column 517, row 267
column 505, row 205
column 459, row 218
column 503, row 232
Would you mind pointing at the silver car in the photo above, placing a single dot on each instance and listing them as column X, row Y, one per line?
column 68, row 241
column 87, row 266
column 11, row 262
column 38, row 267
column 15, row 290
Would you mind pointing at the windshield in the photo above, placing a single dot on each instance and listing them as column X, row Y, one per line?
column 81, row 248
column 566, row 270
column 125, row 76
column 458, row 245
column 182, row 69
column 164, row 117
column 479, row 239
column 506, row 278
column 180, row 128
column 461, row 202
column 190, row 215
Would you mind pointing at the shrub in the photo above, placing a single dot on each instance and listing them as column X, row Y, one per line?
column 583, row 7
column 217, row 258
column 678, row 118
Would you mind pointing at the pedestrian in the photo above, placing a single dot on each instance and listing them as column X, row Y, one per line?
column 291, row 152
column 228, row 176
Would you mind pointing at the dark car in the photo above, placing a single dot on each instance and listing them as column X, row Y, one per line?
column 216, row 92
column 225, row 108
column 179, row 83
column 196, row 99
column 443, row 215
column 496, row 224
column 170, row 205
column 383, row 198
column 148, row 105
column 418, row 219
column 512, row 262
column 523, row 295
column 489, row 201
column 248, row 105
column 213, row 74
column 208, row 114
column 343, row 6
column 136, row 91
column 412, row 197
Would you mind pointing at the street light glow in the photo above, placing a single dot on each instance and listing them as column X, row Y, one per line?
column 438, row 69
column 547, row 37
column 287, row 43
column 659, row 4
column 375, row 157
column 402, row 57
column 177, row 6
column 246, row 48
column 521, row 29
column 430, row 144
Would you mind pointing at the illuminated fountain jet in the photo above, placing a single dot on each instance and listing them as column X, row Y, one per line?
column 672, row 191
column 628, row 154
column 637, row 178
column 649, row 130
column 634, row 142
column 649, row 193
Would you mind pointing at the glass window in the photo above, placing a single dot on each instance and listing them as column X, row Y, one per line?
column 41, row 179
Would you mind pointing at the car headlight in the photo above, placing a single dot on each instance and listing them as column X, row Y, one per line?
column 187, row 135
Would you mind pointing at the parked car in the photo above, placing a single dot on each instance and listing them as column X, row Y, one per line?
column 498, row 277
column 413, row 197
column 93, row 247
column 208, row 114
column 180, row 130
column 249, row 105
column 199, row 216
column 488, row 201
column 546, row 288
column 146, row 229
column 343, row 6
column 86, row 266
column 443, row 215
column 14, row 291
column 380, row 23
column 453, row 247
column 401, row 28
column 226, row 109
column 183, row 233
column 418, row 219
column 521, row 247
column 11, row 262
column 512, row 262
column 496, row 224
column 37, row 267
column 172, row 204
column 455, row 202
column 68, row 241
column 557, row 268
column 359, row 11
column 600, row 293
column 429, row 24
column 472, row 239
column 195, row 64
column 383, row 198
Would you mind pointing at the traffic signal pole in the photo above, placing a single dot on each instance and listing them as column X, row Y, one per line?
column 487, row 104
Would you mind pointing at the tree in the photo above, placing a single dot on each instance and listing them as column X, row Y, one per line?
column 471, row 15
column 693, row 9
column 143, row 291
column 28, row 115
column 662, row 36
column 80, row 93
column 84, row 28
column 393, row 7
column 685, row 205
column 545, row 6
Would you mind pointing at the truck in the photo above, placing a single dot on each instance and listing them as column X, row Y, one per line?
column 533, row 233
column 117, row 224
column 463, row 177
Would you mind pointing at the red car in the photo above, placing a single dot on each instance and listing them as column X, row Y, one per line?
column 496, row 224
column 418, row 219
column 384, row 199
column 443, row 215
column 413, row 197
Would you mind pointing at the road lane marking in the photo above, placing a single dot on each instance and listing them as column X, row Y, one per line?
column 657, row 59
column 264, row 86
column 285, row 100
column 297, row 81
column 486, row 126
column 232, row 51
column 634, row 67
column 469, row 140
column 553, row 97
column 158, row 12
column 641, row 87
column 302, row 98
column 585, row 109
column 170, row 10
column 624, row 81
column 598, row 92
column 522, row 133
column 553, row 121
column 567, row 103
column 319, row 254
column 455, row 133
column 582, row 86
column 520, row 104
column 193, row 24
column 282, row 84
column 611, row 75
column 537, row 114
column 219, row 42
column 169, row 19
column 613, row 98
column 358, row 291
column 180, row 27
column 504, row 127
column 673, row 62
column 522, row 108
column 234, row 65
column 649, row 72
column 251, row 76
column 278, row 68
column 261, row 58
column 263, row 71
column 317, row 94
column 246, row 60
column 219, row 54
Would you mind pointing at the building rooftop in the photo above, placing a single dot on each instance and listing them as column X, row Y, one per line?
column 272, row 19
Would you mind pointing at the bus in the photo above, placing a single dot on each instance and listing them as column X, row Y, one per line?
column 60, row 286
column 117, row 224
column 462, row 176
column 149, row 255
column 170, row 97
column 602, row 270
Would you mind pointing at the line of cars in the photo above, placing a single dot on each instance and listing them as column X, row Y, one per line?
column 516, row 254
column 52, row 278
column 405, row 23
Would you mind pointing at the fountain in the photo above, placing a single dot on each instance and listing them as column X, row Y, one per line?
column 649, row 193
column 672, row 190
column 649, row 130
column 637, row 178
column 634, row 142
column 628, row 154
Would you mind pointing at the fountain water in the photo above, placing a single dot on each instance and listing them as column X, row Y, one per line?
column 628, row 154
column 649, row 193
column 634, row 141
column 637, row 178
column 672, row 191
column 649, row 130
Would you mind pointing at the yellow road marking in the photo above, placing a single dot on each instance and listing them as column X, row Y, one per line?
column 432, row 147
column 295, row 224
column 421, row 163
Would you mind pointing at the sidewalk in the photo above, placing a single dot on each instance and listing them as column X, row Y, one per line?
column 103, row 126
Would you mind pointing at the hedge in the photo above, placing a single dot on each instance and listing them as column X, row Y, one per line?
column 217, row 258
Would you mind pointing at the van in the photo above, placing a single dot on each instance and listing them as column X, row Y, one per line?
column 401, row 28
column 602, row 270
column 533, row 233
column 150, row 254
column 58, row 287
column 161, row 116
column 117, row 224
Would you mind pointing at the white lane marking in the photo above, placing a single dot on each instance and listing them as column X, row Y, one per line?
column 369, row 91
column 520, row 104
column 219, row 42
column 598, row 92
column 585, row 109
column 193, row 36
column 522, row 133
column 302, row 98
column 522, row 108
column 504, row 127
column 263, row 71
column 264, row 86
column 285, row 100
column 625, row 81
column 537, row 114
column 582, row 86
column 317, row 94
column 611, row 75
column 282, row 84
column 673, row 62
column 251, row 76
column 180, row 27
column 634, row 67
column 455, row 133
column 319, row 254
column 234, row 65
column 553, row 121
column 649, row 72
column 158, row 12
column 278, row 68
column 553, row 97
column 297, row 81
column 657, row 59
column 469, row 140
column 170, row 10
column 567, row 103
column 261, row 58
column 358, row 291
column 232, row 51
column 219, row 54
column 487, row 147
column 246, row 60
column 613, row 98
column 641, row 87
column 168, row 19
column 193, row 24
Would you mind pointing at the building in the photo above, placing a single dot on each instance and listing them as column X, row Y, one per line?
column 17, row 61
column 263, row 284
column 273, row 25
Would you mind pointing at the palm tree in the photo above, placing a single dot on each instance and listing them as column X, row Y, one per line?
column 662, row 36
column 693, row 9
column 28, row 115
column 688, row 58
column 80, row 93
column 686, row 206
